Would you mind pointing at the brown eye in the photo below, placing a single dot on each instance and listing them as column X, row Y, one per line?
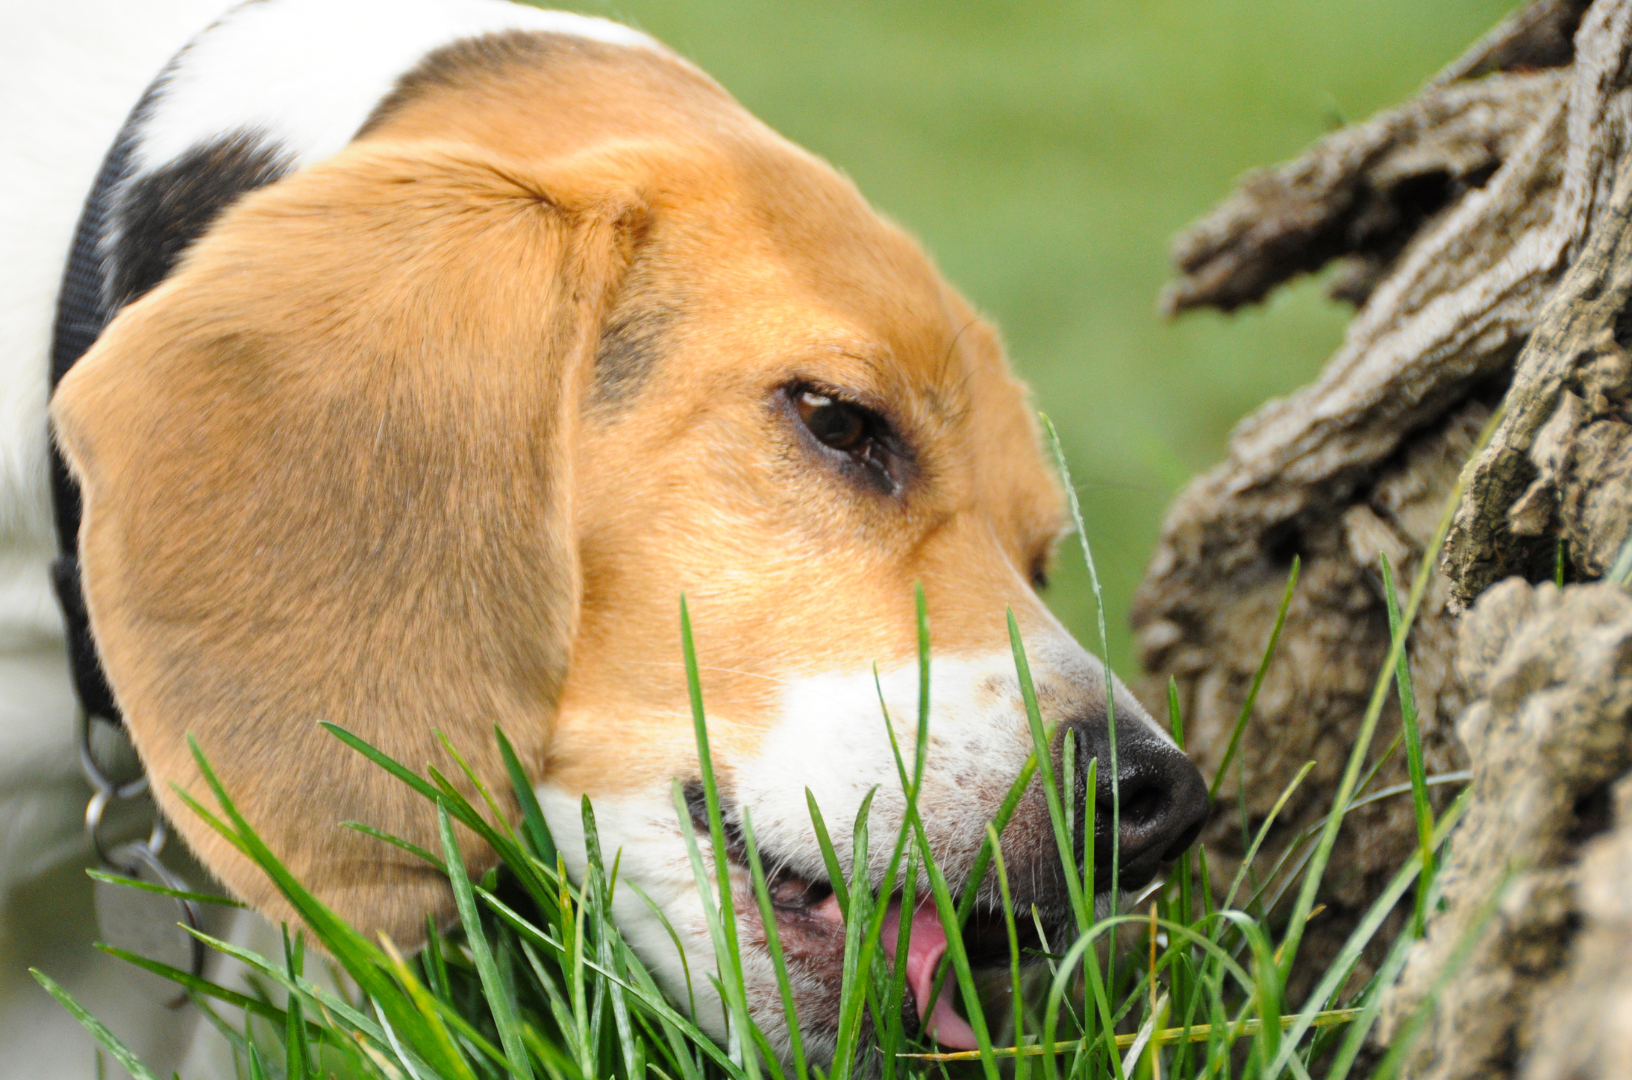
column 834, row 423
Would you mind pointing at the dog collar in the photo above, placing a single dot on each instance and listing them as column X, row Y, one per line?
column 83, row 312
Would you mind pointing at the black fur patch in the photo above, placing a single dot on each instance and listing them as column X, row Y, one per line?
column 158, row 214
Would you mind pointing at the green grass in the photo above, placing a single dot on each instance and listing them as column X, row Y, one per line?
column 537, row 982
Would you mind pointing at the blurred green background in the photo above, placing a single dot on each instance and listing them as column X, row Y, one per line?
column 1045, row 151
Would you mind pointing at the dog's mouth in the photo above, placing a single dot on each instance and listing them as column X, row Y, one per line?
column 810, row 928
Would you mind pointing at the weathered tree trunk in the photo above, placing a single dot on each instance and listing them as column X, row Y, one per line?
column 1484, row 227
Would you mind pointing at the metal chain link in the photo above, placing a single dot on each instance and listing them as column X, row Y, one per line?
column 132, row 858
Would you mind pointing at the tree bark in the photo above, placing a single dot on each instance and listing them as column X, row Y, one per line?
column 1483, row 233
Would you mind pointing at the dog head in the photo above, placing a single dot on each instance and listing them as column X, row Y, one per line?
column 433, row 435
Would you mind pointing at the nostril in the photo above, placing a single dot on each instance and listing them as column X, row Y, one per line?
column 1161, row 802
column 1142, row 804
column 1163, row 808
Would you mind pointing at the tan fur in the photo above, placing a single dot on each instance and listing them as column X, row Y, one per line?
column 351, row 461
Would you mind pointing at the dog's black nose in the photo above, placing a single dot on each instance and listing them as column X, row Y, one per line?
column 1163, row 798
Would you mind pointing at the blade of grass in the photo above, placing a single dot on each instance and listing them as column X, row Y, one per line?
column 1110, row 682
column 148, row 886
column 501, row 820
column 830, row 856
column 504, row 1016
column 98, row 1030
column 225, row 831
column 1413, row 748
column 1263, row 831
column 397, row 842
column 1014, row 937
column 954, row 943
column 1081, row 909
column 704, row 887
column 895, row 997
column 1257, row 681
column 1175, row 720
column 602, row 906
column 532, row 815
column 773, row 945
column 679, row 948
column 296, row 1045
column 939, row 890
column 856, row 970
column 1165, row 1037
column 1090, row 833
column 196, row 984
column 436, row 968
column 1183, row 977
column 731, row 960
column 1068, row 801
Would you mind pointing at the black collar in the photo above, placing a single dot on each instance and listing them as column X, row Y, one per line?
column 83, row 311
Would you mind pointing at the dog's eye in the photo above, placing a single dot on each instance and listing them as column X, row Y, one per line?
column 869, row 448
column 838, row 424
column 1039, row 569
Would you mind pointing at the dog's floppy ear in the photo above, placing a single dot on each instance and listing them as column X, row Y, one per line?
column 327, row 475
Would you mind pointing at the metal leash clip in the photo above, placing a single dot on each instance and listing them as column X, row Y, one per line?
column 136, row 920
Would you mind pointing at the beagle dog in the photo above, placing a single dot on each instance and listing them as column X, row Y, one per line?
column 451, row 342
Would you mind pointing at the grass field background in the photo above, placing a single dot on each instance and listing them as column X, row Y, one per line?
column 1045, row 151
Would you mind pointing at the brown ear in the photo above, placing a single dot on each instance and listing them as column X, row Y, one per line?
column 327, row 475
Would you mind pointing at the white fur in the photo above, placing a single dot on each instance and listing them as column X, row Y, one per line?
column 828, row 734
column 641, row 832
column 69, row 74
column 307, row 73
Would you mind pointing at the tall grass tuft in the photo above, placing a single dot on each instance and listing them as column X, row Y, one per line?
column 537, row 983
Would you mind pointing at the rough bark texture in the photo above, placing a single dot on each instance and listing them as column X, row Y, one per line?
column 1547, row 991
column 1483, row 232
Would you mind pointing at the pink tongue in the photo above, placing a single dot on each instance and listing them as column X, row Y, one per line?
column 924, row 952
